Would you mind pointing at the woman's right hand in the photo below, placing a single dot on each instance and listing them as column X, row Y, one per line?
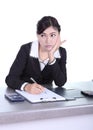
column 34, row 88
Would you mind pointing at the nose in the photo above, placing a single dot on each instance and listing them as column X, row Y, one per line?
column 47, row 39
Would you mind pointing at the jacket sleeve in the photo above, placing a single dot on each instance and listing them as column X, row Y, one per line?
column 58, row 69
column 13, row 79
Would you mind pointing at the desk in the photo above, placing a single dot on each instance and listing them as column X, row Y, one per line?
column 18, row 113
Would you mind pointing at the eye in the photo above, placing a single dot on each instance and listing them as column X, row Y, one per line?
column 53, row 35
column 42, row 35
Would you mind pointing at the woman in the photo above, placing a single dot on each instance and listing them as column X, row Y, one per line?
column 40, row 62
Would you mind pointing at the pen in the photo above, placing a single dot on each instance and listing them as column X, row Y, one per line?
column 36, row 82
column 33, row 80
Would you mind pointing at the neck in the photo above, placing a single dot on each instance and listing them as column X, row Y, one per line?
column 43, row 55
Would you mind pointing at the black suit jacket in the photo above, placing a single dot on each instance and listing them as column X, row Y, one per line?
column 24, row 67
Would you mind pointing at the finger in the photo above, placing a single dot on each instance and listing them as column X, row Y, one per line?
column 38, row 88
column 41, row 88
column 38, row 91
column 63, row 41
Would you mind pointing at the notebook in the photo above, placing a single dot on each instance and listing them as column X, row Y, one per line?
column 46, row 96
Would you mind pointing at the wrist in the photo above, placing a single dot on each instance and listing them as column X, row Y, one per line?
column 23, row 85
column 52, row 62
column 50, row 56
column 26, row 87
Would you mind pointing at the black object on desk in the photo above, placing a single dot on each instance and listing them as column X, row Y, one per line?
column 88, row 93
column 70, row 94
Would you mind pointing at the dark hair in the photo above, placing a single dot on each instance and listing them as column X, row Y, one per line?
column 46, row 22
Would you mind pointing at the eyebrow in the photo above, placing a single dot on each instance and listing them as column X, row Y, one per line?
column 50, row 33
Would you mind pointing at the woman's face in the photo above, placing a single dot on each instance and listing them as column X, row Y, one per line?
column 48, row 38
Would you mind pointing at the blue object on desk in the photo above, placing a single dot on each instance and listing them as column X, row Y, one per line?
column 14, row 97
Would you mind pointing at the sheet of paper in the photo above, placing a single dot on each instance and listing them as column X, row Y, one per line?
column 46, row 96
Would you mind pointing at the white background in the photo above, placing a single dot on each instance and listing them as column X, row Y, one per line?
column 18, row 20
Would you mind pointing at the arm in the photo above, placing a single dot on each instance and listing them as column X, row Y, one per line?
column 59, row 66
column 13, row 79
column 57, row 71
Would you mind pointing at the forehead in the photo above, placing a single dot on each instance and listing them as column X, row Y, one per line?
column 50, row 30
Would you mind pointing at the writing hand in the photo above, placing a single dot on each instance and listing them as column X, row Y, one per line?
column 34, row 88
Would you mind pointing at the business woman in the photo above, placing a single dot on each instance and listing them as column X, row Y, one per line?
column 40, row 62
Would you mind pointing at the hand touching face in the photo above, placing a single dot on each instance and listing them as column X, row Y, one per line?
column 49, row 42
column 48, row 38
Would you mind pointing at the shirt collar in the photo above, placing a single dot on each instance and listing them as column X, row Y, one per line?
column 34, row 50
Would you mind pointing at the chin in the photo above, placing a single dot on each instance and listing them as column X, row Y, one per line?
column 49, row 49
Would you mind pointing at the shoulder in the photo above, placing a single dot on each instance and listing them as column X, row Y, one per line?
column 26, row 45
column 25, row 49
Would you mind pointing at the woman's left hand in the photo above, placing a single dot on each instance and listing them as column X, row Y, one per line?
column 56, row 46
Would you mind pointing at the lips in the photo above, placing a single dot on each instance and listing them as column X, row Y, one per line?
column 48, row 46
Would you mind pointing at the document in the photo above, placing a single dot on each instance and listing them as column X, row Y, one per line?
column 46, row 96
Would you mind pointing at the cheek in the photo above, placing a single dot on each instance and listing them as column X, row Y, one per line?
column 40, row 41
column 53, row 42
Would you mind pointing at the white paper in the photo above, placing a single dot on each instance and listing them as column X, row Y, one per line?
column 46, row 96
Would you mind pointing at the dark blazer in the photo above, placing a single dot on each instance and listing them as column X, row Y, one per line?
column 24, row 67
